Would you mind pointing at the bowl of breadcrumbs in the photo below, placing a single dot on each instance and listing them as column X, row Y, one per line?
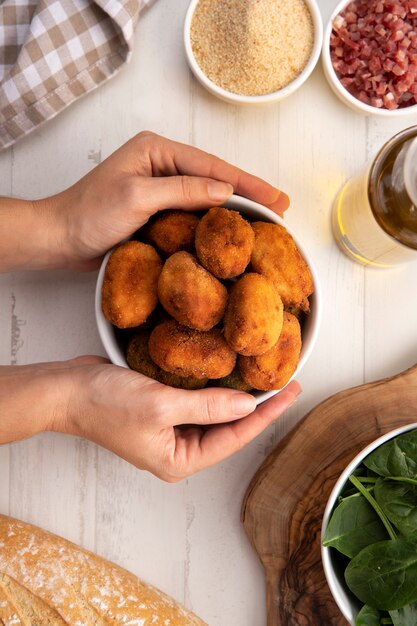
column 252, row 51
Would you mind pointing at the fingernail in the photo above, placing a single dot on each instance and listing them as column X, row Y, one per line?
column 219, row 191
column 280, row 202
column 289, row 393
column 294, row 387
column 283, row 201
column 243, row 404
column 288, row 398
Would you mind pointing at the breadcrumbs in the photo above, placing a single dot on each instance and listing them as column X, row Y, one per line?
column 252, row 47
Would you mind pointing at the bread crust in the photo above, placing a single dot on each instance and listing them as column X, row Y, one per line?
column 46, row 580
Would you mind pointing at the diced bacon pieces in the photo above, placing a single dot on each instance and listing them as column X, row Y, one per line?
column 377, row 102
column 390, row 101
column 373, row 48
column 339, row 22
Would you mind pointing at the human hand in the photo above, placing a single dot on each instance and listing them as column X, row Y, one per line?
column 172, row 433
column 74, row 228
column 147, row 174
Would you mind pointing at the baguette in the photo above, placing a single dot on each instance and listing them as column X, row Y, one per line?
column 48, row 581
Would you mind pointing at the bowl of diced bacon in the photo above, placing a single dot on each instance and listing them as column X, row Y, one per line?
column 370, row 55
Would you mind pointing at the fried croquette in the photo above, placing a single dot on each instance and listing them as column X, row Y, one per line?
column 172, row 231
column 188, row 352
column 138, row 359
column 224, row 242
column 273, row 369
column 233, row 381
column 190, row 294
column 253, row 318
column 130, row 286
column 276, row 256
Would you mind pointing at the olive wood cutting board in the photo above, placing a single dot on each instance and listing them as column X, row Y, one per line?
column 285, row 501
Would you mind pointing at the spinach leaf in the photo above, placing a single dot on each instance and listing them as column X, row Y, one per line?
column 384, row 574
column 399, row 502
column 396, row 457
column 368, row 616
column 353, row 525
column 406, row 616
column 366, row 494
column 404, row 479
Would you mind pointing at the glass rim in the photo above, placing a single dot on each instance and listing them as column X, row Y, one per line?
column 406, row 132
column 374, row 171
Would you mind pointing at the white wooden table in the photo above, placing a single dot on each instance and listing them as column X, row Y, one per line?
column 187, row 538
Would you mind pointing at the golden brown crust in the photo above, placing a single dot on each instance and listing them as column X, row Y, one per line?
column 172, row 231
column 190, row 293
column 188, row 352
column 276, row 256
column 17, row 603
column 273, row 369
column 254, row 314
column 8, row 611
column 52, row 582
column 138, row 359
column 129, row 292
column 224, row 242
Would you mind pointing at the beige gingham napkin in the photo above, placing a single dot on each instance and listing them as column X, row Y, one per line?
column 55, row 51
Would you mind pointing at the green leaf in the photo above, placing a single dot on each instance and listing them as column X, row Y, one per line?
column 406, row 616
column 368, row 616
column 399, row 502
column 396, row 457
column 366, row 494
column 384, row 574
column 404, row 479
column 353, row 525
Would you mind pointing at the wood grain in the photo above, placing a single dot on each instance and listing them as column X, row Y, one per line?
column 186, row 538
column 284, row 504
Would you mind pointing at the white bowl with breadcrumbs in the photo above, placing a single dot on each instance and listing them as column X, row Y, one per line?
column 247, row 52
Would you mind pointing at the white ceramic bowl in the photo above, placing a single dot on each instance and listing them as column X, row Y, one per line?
column 334, row 573
column 269, row 97
column 254, row 211
column 337, row 86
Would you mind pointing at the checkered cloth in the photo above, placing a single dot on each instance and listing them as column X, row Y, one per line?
column 54, row 51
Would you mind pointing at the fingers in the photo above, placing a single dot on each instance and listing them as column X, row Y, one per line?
column 195, row 162
column 217, row 443
column 88, row 265
column 170, row 157
column 182, row 192
column 86, row 359
column 250, row 427
column 207, row 406
column 90, row 359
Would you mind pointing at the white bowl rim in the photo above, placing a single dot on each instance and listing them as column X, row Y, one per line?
column 268, row 97
column 115, row 354
column 337, row 86
column 338, row 592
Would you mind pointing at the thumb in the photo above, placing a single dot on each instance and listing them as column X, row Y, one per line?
column 207, row 406
column 184, row 192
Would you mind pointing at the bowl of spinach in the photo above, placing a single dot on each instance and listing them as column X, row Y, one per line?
column 369, row 533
